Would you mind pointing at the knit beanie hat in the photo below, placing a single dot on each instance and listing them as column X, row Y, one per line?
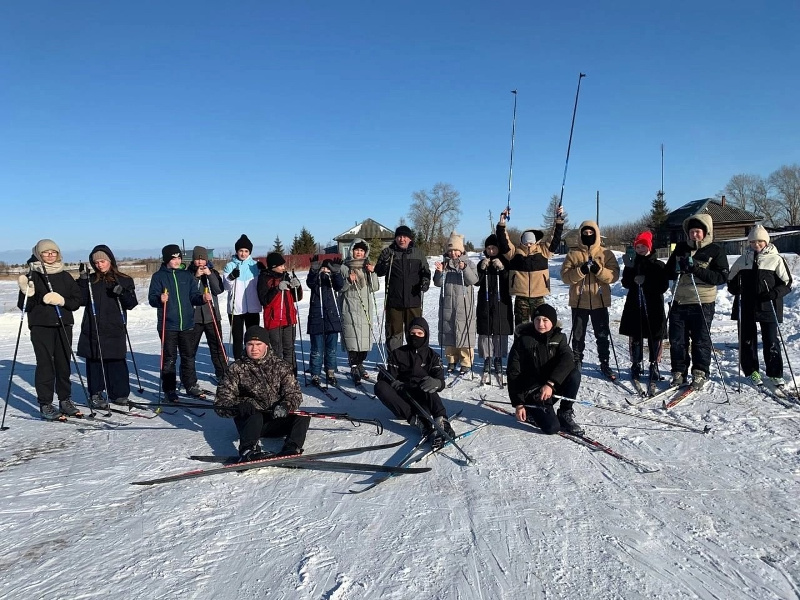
column 758, row 234
column 256, row 332
column 491, row 241
column 100, row 255
column 644, row 239
column 199, row 253
column 244, row 242
column 545, row 310
column 455, row 242
column 43, row 245
column 696, row 224
column 274, row 259
column 361, row 245
column 528, row 238
column 404, row 230
column 170, row 251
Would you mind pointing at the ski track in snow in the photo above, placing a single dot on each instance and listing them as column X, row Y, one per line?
column 536, row 517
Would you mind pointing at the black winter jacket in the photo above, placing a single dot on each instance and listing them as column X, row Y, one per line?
column 411, row 365
column 495, row 315
column 535, row 359
column 323, row 311
column 407, row 275
column 649, row 320
column 46, row 315
column 202, row 314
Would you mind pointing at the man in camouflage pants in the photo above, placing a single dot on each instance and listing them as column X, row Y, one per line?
column 259, row 391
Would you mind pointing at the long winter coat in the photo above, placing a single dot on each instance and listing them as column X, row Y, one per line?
column 183, row 297
column 110, row 321
column 530, row 271
column 262, row 383
column 535, row 359
column 242, row 291
column 754, row 275
column 495, row 315
column 323, row 313
column 407, row 275
column 202, row 314
column 355, row 303
column 279, row 306
column 457, row 303
column 593, row 290
column 710, row 265
column 46, row 315
column 649, row 320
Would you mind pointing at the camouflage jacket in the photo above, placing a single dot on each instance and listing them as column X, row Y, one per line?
column 263, row 383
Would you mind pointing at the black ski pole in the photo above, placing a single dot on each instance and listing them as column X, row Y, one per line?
column 780, row 334
column 99, row 347
column 708, row 331
column 14, row 362
column 569, row 144
column 511, row 161
column 300, row 332
column 130, row 346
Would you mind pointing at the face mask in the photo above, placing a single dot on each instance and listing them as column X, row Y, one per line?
column 416, row 342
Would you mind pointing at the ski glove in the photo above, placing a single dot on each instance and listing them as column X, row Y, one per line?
column 83, row 272
column 226, row 412
column 283, row 286
column 430, row 384
column 234, row 274
column 315, row 262
column 398, row 386
column 686, row 264
column 246, row 409
column 497, row 264
column 594, row 268
column 639, row 279
column 280, row 411
column 53, row 298
column 585, row 268
column 26, row 286
column 484, row 264
column 294, row 282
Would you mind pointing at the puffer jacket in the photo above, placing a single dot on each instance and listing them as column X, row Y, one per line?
column 648, row 320
column 535, row 359
column 457, row 303
column 754, row 275
column 590, row 291
column 407, row 275
column 356, row 306
column 412, row 366
column 495, row 315
column 280, row 309
column 323, row 312
column 183, row 297
column 710, row 265
column 530, row 274
column 263, row 383
column 242, row 291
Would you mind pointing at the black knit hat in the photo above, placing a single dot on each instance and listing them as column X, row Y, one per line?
column 696, row 224
column 545, row 310
column 404, row 230
column 275, row 259
column 491, row 241
column 258, row 333
column 244, row 242
column 170, row 251
column 361, row 245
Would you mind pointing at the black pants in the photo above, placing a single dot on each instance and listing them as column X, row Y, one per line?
column 178, row 342
column 52, row 353
column 602, row 332
column 397, row 319
column 356, row 357
column 119, row 385
column 281, row 341
column 254, row 427
column 214, row 346
column 636, row 347
column 690, row 324
column 240, row 324
column 402, row 408
column 544, row 416
column 772, row 349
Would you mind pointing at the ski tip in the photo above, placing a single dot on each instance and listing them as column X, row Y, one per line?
column 706, row 429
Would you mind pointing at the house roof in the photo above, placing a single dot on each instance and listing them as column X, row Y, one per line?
column 367, row 230
column 718, row 213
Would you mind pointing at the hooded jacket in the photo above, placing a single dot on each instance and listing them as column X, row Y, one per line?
column 530, row 273
column 590, row 291
column 407, row 275
column 411, row 365
column 535, row 359
column 202, row 314
column 754, row 275
column 495, row 315
column 356, row 305
column 242, row 291
column 457, row 302
column 643, row 321
column 323, row 312
column 184, row 295
column 44, row 276
column 710, row 265
column 111, row 315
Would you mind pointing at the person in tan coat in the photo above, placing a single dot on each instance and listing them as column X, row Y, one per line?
column 590, row 269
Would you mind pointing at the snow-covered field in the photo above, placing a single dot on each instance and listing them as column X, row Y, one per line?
column 537, row 516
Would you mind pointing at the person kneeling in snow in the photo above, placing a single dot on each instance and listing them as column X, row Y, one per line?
column 259, row 391
column 540, row 365
column 417, row 373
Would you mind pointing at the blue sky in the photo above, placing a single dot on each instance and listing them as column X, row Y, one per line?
column 139, row 124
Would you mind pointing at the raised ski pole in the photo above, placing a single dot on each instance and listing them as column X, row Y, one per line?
column 511, row 161
column 569, row 144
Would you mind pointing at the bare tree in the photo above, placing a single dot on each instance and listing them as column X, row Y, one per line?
column 434, row 215
column 549, row 215
column 624, row 233
column 786, row 183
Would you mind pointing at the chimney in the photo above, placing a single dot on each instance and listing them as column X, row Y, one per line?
column 723, row 200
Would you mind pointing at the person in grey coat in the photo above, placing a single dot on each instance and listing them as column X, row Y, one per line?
column 207, row 278
column 356, row 308
column 457, row 277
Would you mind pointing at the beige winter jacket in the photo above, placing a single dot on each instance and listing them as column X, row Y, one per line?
column 592, row 290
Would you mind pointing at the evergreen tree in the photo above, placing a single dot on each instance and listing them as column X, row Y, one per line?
column 375, row 247
column 304, row 243
column 549, row 215
column 277, row 246
column 659, row 212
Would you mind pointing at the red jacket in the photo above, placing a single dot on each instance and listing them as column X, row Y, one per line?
column 279, row 307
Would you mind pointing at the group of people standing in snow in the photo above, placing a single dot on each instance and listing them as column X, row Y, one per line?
column 543, row 367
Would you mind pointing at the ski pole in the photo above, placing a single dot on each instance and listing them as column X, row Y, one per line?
column 780, row 334
column 739, row 333
column 356, row 422
column 207, row 290
column 569, row 144
column 299, row 331
column 708, row 331
column 14, row 362
column 163, row 337
column 130, row 346
column 99, row 347
column 511, row 161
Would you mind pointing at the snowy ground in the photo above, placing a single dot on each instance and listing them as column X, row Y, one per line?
column 537, row 517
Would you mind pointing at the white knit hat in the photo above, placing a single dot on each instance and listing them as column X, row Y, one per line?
column 758, row 233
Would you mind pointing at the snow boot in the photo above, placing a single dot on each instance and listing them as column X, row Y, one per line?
column 568, row 424
column 330, row 377
column 67, row 407
column 605, row 369
column 251, row 453
column 677, row 380
column 120, row 401
column 486, row 375
column 355, row 374
column 464, row 370
column 498, row 365
column 363, row 372
column 315, row 381
column 290, row 449
column 755, row 378
column 420, row 424
column 438, row 440
column 699, row 379
column 97, row 401
column 636, row 372
column 171, row 397
column 49, row 413
column 196, row 392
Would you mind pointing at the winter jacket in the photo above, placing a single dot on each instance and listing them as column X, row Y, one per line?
column 242, row 291
column 593, row 290
column 323, row 313
column 280, row 309
column 754, row 276
column 530, row 273
column 110, row 328
column 356, row 306
column 710, row 265
column 184, row 295
column 263, row 383
column 457, row 302
column 495, row 314
column 202, row 314
column 644, row 321
column 411, row 365
column 407, row 275
column 536, row 359
column 47, row 315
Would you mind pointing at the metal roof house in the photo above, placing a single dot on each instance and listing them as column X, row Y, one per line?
column 368, row 230
column 730, row 222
